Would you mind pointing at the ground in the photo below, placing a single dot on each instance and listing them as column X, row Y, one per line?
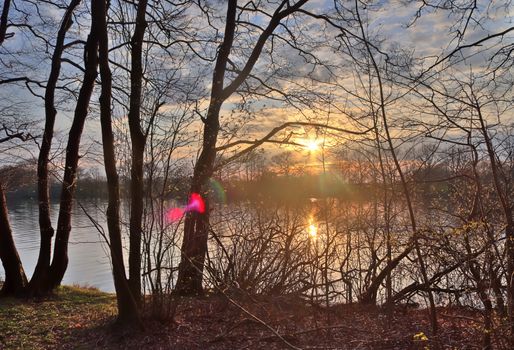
column 82, row 318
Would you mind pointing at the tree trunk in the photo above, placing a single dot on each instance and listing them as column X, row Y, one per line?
column 196, row 225
column 406, row 192
column 138, row 140
column 60, row 259
column 127, row 308
column 15, row 279
column 3, row 20
column 39, row 280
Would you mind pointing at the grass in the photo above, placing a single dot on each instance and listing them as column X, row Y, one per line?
column 55, row 321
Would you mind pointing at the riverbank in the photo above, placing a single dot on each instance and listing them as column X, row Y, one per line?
column 83, row 318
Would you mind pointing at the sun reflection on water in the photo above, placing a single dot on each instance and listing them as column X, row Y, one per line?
column 312, row 229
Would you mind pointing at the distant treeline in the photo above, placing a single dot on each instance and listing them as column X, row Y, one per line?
column 266, row 187
column 20, row 188
column 294, row 187
column 298, row 187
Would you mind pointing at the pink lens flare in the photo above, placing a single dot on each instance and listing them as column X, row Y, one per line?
column 196, row 203
column 174, row 214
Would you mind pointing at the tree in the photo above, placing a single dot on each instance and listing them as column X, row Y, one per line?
column 15, row 278
column 138, row 142
column 60, row 257
column 403, row 181
column 39, row 280
column 196, row 224
column 128, row 311
column 471, row 105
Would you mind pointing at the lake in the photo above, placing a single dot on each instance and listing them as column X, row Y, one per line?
column 89, row 262
column 257, row 245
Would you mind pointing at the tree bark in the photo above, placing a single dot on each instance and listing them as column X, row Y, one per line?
column 128, row 312
column 138, row 140
column 196, row 225
column 39, row 280
column 3, row 20
column 60, row 259
column 15, row 279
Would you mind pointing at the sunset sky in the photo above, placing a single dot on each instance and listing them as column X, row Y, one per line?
column 391, row 24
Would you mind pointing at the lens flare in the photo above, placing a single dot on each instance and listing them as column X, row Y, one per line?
column 217, row 189
column 174, row 214
column 196, row 204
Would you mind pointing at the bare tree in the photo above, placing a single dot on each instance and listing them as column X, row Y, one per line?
column 196, row 225
column 60, row 256
column 128, row 311
column 41, row 273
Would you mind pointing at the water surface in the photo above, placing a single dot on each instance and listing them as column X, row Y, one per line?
column 89, row 262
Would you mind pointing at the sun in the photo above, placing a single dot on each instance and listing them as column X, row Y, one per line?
column 311, row 145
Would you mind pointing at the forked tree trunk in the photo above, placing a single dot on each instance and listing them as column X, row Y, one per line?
column 196, row 225
column 39, row 281
column 127, row 307
column 369, row 296
column 15, row 279
column 60, row 259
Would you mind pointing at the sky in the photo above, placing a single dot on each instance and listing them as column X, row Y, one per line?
column 390, row 23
